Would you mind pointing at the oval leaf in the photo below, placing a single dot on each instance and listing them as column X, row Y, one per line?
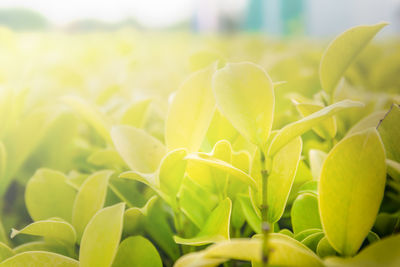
column 351, row 190
column 140, row 151
column 292, row 130
column 101, row 237
column 90, row 199
column 55, row 229
column 49, row 195
column 137, row 251
column 191, row 111
column 39, row 259
column 342, row 51
column 245, row 96
column 305, row 214
column 215, row 229
column 280, row 180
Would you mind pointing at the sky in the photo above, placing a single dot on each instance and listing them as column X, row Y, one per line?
column 152, row 13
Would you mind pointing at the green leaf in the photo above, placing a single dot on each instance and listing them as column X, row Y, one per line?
column 389, row 130
column 136, row 114
column 309, row 187
column 49, row 195
column 305, row 233
column 106, row 158
column 316, row 158
column 90, row 114
column 39, row 259
column 305, row 214
column 197, row 259
column 5, row 252
column 90, row 199
column 249, row 213
column 3, row 160
column 327, row 129
column 285, row 251
column 171, row 172
column 280, row 180
column 324, row 249
column 342, row 51
column 215, row 163
column 351, row 190
column 133, row 216
column 312, row 240
column 196, row 202
column 19, row 145
column 190, row 112
column 140, row 151
column 137, row 251
column 286, row 232
column 54, row 229
column 215, row 229
column 157, row 226
column 294, row 129
column 101, row 237
column 48, row 246
column 220, row 129
column 369, row 121
column 393, row 169
column 245, row 96
column 382, row 253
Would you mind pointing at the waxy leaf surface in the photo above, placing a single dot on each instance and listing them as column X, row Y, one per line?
column 245, row 96
column 351, row 189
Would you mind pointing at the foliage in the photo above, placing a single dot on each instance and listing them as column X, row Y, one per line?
column 293, row 160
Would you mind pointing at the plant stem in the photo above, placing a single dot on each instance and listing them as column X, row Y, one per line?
column 265, row 228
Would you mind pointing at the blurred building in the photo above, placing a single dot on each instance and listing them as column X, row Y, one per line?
column 288, row 17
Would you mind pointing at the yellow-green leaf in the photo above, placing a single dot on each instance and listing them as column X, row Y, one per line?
column 171, row 172
column 191, row 111
column 198, row 159
column 137, row 251
column 90, row 199
column 245, row 96
column 136, row 114
column 49, row 195
column 54, row 229
column 5, row 252
column 133, row 216
column 280, row 180
column 351, row 190
column 39, row 259
column 369, row 121
column 342, row 51
column 92, row 115
column 381, row 253
column 101, row 237
column 389, row 130
column 327, row 129
column 215, row 229
column 285, row 251
column 294, row 129
column 140, row 151
column 305, row 214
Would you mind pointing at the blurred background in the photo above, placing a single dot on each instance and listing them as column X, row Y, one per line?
column 317, row 18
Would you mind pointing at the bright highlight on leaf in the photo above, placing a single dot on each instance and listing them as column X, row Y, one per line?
column 245, row 96
column 140, row 151
column 342, row 51
column 101, row 237
column 190, row 112
column 280, row 180
column 351, row 190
